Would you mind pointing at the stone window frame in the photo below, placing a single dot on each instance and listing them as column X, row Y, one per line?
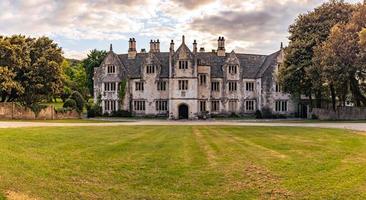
column 183, row 84
column 202, row 79
column 281, row 105
column 250, row 105
column 249, row 86
column 232, row 86
column 139, row 86
column 161, row 105
column 111, row 69
column 139, row 105
column 233, row 69
column 215, row 86
column 233, row 105
column 161, row 85
column 215, row 105
column 202, row 105
column 183, row 64
column 150, row 69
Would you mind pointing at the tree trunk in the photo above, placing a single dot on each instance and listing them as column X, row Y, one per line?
column 318, row 98
column 356, row 92
column 333, row 94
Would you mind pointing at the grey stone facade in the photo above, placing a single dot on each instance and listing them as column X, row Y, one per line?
column 190, row 84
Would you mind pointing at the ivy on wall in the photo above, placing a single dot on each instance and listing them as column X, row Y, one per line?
column 122, row 90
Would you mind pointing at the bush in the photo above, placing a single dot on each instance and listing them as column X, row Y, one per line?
column 79, row 100
column 258, row 114
column 267, row 113
column 70, row 103
column 233, row 115
column 93, row 110
column 121, row 113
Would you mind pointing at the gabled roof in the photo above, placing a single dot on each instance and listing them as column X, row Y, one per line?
column 253, row 66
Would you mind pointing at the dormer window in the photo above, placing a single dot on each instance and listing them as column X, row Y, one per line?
column 150, row 69
column 183, row 64
column 111, row 69
column 233, row 69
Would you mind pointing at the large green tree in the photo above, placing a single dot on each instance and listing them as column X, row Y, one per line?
column 94, row 59
column 342, row 58
column 298, row 74
column 32, row 66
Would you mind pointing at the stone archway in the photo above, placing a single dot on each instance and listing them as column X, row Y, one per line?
column 183, row 111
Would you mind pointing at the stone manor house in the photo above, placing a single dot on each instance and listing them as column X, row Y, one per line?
column 189, row 84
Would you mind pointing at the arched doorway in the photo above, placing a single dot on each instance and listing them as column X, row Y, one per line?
column 183, row 111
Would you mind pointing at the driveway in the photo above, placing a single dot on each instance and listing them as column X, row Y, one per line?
column 341, row 125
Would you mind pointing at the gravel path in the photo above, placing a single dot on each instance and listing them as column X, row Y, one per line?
column 342, row 125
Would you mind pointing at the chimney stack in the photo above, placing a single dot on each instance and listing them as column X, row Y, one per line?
column 171, row 49
column 221, row 46
column 132, row 48
column 202, row 49
column 194, row 47
column 154, row 46
column 110, row 47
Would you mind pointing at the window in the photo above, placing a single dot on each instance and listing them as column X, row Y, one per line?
column 232, row 86
column 111, row 69
column 249, row 105
column 278, row 88
column 183, row 84
column 110, row 105
column 150, row 69
column 233, row 69
column 109, row 87
column 281, row 106
column 161, row 105
column 202, row 106
column 233, row 105
column 202, row 78
column 215, row 86
column 139, row 86
column 139, row 105
column 161, row 85
column 249, row 86
column 215, row 106
column 183, row 64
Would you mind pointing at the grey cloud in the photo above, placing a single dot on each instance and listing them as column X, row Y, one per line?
column 192, row 4
column 261, row 27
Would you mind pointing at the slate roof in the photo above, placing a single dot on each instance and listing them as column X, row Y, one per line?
column 252, row 66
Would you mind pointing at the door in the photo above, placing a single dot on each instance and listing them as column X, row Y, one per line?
column 183, row 111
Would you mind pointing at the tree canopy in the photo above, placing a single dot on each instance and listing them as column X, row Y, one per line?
column 321, row 60
column 30, row 69
column 94, row 59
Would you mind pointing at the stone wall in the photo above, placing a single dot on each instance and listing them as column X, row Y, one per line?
column 342, row 113
column 12, row 110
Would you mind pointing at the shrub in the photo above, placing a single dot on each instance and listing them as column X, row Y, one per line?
column 314, row 116
column 267, row 113
column 233, row 115
column 70, row 103
column 37, row 108
column 78, row 99
column 258, row 114
column 93, row 110
column 121, row 113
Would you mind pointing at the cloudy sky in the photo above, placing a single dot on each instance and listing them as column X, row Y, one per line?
column 249, row 26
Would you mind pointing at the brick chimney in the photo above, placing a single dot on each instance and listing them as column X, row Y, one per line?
column 221, row 46
column 132, row 48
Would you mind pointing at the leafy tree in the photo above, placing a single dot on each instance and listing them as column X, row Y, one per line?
column 76, row 96
column 299, row 74
column 75, row 79
column 94, row 59
column 8, row 84
column 33, row 66
column 342, row 58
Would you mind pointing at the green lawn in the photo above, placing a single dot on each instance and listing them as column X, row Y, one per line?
column 183, row 162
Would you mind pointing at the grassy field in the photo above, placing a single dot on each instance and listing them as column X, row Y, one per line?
column 183, row 162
